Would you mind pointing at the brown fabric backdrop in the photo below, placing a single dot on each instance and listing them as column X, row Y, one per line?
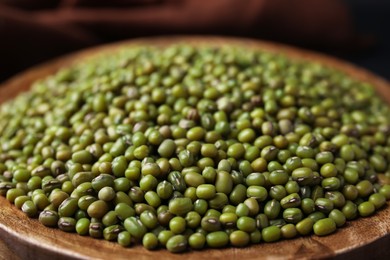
column 32, row 31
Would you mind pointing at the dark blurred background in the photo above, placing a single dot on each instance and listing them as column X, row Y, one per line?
column 33, row 31
column 372, row 18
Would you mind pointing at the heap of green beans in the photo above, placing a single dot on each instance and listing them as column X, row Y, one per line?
column 191, row 147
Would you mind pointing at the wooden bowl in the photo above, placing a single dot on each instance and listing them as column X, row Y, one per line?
column 24, row 238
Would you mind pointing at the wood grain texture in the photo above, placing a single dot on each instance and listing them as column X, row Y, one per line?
column 24, row 238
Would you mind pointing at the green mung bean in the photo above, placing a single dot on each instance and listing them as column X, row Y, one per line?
column 324, row 227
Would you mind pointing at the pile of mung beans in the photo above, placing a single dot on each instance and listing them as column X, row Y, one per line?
column 183, row 147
